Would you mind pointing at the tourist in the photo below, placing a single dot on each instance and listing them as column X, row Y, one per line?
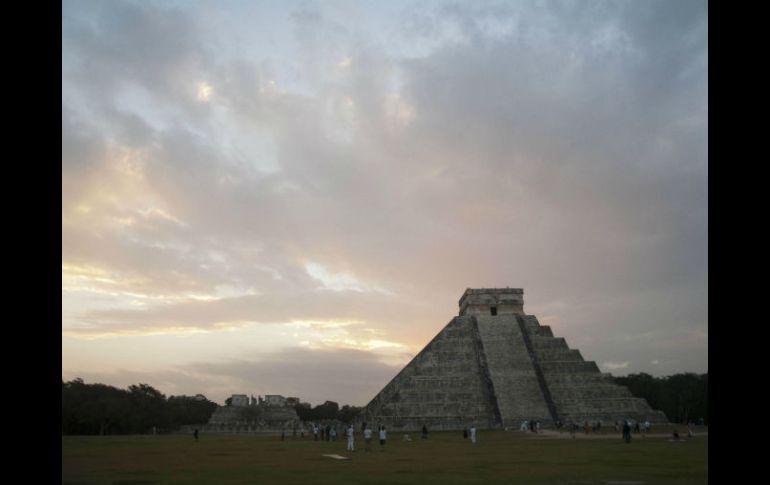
column 195, row 434
column 315, row 432
column 585, row 426
column 627, row 431
column 424, row 432
column 351, row 439
column 473, row 434
column 333, row 433
column 367, row 439
column 383, row 437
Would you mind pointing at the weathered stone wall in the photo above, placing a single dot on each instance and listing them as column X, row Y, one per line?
column 506, row 301
column 440, row 387
column 231, row 419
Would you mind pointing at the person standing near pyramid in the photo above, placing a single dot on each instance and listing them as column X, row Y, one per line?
column 368, row 439
column 351, row 438
column 473, row 434
column 383, row 437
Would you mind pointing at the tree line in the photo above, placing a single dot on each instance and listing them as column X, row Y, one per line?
column 94, row 409
column 99, row 409
column 682, row 397
column 328, row 411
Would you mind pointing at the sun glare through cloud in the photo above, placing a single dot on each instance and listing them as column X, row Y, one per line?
column 205, row 91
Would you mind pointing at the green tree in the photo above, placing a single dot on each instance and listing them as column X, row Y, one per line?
column 347, row 414
column 149, row 408
column 304, row 411
column 327, row 410
column 189, row 410
column 90, row 409
column 682, row 397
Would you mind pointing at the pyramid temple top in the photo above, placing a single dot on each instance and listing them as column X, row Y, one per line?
column 492, row 301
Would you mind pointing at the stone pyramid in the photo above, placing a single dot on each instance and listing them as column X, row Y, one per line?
column 495, row 366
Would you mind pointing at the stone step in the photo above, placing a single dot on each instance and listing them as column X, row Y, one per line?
column 582, row 379
column 588, row 392
column 556, row 367
column 558, row 355
column 605, row 404
column 608, row 419
column 540, row 342
column 511, row 368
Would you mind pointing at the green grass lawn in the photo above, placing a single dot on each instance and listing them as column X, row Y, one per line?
column 445, row 458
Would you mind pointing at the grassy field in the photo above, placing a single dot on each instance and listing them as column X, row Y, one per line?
column 445, row 458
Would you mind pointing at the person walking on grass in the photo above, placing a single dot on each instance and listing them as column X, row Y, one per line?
column 473, row 434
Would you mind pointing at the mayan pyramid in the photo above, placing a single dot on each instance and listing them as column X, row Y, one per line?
column 495, row 366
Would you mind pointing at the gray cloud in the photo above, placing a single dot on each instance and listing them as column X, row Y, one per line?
column 558, row 146
column 345, row 376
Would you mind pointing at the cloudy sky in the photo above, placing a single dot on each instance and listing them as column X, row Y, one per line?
column 290, row 197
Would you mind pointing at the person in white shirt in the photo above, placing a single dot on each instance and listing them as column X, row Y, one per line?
column 473, row 434
column 367, row 439
column 351, row 439
column 383, row 437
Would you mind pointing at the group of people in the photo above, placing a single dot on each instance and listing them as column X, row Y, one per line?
column 472, row 431
column 382, row 433
column 636, row 426
column 351, row 435
column 530, row 425
column 326, row 433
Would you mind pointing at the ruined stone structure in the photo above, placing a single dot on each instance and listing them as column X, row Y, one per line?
column 275, row 413
column 495, row 366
